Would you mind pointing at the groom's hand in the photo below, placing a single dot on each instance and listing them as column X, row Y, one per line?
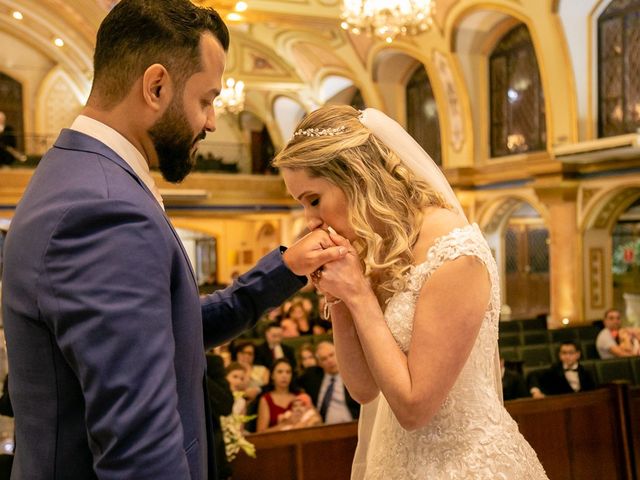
column 311, row 252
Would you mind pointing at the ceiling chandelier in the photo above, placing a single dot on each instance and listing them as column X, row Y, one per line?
column 387, row 19
column 231, row 98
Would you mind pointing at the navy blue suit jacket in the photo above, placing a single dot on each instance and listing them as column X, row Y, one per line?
column 105, row 329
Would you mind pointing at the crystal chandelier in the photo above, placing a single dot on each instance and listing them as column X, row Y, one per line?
column 231, row 98
column 387, row 18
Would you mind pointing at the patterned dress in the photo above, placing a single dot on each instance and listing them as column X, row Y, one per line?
column 472, row 437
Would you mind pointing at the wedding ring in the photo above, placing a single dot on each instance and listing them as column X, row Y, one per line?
column 317, row 275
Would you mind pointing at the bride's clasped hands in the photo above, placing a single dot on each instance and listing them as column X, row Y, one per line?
column 343, row 280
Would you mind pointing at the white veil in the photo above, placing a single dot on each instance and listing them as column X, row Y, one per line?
column 410, row 153
column 413, row 156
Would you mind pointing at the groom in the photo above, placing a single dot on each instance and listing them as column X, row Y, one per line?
column 105, row 330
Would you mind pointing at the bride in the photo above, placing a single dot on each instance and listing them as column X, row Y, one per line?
column 414, row 304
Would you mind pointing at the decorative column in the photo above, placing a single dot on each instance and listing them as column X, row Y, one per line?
column 565, row 251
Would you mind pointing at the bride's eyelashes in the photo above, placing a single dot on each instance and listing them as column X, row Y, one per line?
column 315, row 202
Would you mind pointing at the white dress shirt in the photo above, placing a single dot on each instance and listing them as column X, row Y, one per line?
column 123, row 147
column 278, row 353
column 571, row 374
column 338, row 412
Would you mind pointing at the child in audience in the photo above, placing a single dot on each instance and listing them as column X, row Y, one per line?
column 237, row 375
column 302, row 414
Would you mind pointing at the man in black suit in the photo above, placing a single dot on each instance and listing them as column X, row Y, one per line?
column 326, row 388
column 272, row 348
column 564, row 376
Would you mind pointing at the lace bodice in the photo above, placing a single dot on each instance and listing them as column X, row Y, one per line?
column 472, row 436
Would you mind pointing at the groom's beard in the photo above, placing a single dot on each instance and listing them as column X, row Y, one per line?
column 174, row 144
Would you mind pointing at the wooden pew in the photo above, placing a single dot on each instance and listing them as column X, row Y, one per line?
column 582, row 436
column 634, row 400
column 315, row 453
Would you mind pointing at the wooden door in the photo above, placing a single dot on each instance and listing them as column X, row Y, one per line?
column 527, row 268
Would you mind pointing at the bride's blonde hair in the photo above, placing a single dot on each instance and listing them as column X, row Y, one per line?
column 331, row 143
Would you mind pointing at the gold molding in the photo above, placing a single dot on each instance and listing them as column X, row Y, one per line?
column 596, row 278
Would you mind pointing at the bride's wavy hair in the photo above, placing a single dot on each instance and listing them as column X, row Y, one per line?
column 331, row 143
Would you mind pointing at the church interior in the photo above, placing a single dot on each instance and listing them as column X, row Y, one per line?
column 530, row 107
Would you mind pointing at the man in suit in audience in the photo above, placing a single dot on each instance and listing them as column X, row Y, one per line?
column 105, row 329
column 272, row 348
column 564, row 376
column 326, row 388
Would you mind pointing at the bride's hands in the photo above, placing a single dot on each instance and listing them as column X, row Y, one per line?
column 344, row 278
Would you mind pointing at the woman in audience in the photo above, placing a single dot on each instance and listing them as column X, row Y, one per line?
column 244, row 353
column 289, row 328
column 306, row 356
column 299, row 315
column 278, row 400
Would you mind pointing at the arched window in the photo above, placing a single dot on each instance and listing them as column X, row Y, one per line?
column 422, row 114
column 517, row 101
column 619, row 68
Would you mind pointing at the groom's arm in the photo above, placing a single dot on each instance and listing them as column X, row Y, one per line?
column 278, row 275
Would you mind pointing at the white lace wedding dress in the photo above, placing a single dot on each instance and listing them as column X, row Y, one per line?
column 472, row 437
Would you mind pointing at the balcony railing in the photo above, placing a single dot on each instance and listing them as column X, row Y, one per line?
column 223, row 157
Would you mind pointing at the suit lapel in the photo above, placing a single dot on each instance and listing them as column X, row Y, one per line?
column 184, row 252
column 72, row 140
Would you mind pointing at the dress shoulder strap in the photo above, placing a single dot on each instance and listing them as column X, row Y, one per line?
column 463, row 241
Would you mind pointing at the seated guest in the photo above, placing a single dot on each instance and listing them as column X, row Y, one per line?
column 272, row 348
column 629, row 340
column 564, row 376
column 278, row 399
column 513, row 384
column 289, row 328
column 302, row 414
column 237, row 375
column 221, row 403
column 244, row 353
column 610, row 343
column 298, row 314
column 325, row 387
column 306, row 357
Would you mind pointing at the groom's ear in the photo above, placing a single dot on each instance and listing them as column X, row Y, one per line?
column 157, row 88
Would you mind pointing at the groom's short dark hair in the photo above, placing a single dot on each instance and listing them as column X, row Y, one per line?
column 139, row 33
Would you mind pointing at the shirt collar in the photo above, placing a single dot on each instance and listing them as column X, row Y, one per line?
column 123, row 147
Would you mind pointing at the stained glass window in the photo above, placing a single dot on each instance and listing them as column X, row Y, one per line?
column 422, row 114
column 516, row 96
column 619, row 68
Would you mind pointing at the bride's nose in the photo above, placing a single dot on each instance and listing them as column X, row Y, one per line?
column 313, row 223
